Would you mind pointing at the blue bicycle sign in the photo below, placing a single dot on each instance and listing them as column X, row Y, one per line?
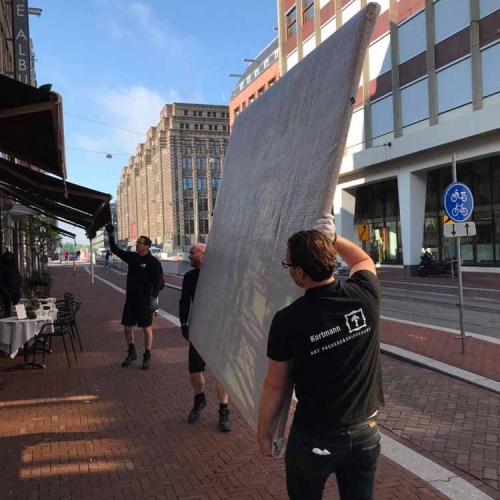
column 458, row 202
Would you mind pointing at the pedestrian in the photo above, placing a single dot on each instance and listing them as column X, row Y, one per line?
column 106, row 258
column 196, row 365
column 327, row 344
column 141, row 300
column 77, row 256
column 66, row 256
column 11, row 282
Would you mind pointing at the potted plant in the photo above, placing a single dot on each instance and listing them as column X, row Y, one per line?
column 39, row 283
column 31, row 307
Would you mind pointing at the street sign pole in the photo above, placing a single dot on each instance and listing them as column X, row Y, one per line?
column 459, row 258
column 92, row 263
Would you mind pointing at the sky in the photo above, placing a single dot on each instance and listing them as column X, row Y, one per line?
column 120, row 61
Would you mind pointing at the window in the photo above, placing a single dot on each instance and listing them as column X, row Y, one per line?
column 214, row 147
column 189, row 226
column 188, row 204
column 196, row 126
column 291, row 22
column 224, row 128
column 271, row 82
column 187, row 126
column 226, row 144
column 210, row 127
column 187, row 183
column 260, row 91
column 202, row 184
column 215, row 182
column 214, row 163
column 203, row 226
column 209, row 114
column 201, row 163
column 186, row 112
column 186, row 163
column 182, row 125
column 195, row 113
column 202, row 127
column 203, row 205
column 216, row 127
column 308, row 6
column 251, row 99
column 200, row 146
column 185, row 145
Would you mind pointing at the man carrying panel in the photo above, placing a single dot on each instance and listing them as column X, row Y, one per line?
column 327, row 344
column 196, row 363
column 144, row 280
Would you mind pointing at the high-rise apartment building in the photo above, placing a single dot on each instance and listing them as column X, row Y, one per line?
column 168, row 189
column 430, row 88
column 6, row 47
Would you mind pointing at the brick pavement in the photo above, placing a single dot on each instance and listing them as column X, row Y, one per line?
column 99, row 431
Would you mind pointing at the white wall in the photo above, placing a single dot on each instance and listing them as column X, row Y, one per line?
column 412, row 39
column 309, row 45
column 450, row 16
column 328, row 29
column 380, row 57
column 491, row 69
column 415, row 102
column 292, row 60
column 350, row 10
column 454, row 85
column 356, row 133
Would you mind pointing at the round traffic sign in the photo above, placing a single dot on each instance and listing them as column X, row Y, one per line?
column 458, row 202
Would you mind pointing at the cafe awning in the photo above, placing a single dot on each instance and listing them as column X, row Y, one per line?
column 31, row 125
column 65, row 201
column 62, row 231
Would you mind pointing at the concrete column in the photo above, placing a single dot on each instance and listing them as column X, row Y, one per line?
column 344, row 204
column 412, row 191
column 475, row 50
column 431, row 61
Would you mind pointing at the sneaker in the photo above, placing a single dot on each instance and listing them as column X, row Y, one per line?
column 131, row 357
column 146, row 362
column 199, row 404
column 224, row 423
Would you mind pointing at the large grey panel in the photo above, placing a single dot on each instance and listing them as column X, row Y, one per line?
column 280, row 174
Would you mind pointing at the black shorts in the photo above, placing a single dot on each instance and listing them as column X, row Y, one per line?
column 196, row 363
column 137, row 313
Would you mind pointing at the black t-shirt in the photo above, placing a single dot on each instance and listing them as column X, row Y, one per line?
column 189, row 283
column 331, row 337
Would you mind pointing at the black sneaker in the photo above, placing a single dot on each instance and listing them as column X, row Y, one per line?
column 146, row 362
column 199, row 404
column 224, row 423
column 131, row 357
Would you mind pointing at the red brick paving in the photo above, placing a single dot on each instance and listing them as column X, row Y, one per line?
column 99, row 431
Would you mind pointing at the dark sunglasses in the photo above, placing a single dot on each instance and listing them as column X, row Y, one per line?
column 286, row 264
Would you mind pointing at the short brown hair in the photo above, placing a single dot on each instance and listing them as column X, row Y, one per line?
column 147, row 241
column 314, row 253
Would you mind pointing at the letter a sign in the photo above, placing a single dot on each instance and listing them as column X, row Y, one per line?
column 22, row 49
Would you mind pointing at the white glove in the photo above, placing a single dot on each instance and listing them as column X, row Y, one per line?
column 327, row 227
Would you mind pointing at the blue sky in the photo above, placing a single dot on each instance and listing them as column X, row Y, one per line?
column 120, row 61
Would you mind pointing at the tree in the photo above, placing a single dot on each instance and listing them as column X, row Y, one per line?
column 39, row 238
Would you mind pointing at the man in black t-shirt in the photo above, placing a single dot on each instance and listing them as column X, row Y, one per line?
column 144, row 279
column 196, row 363
column 327, row 342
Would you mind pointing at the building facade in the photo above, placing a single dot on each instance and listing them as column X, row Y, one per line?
column 169, row 188
column 260, row 75
column 430, row 89
column 6, row 48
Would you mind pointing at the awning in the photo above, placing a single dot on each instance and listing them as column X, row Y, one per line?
column 65, row 201
column 31, row 125
column 62, row 231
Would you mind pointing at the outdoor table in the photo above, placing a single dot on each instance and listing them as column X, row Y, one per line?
column 16, row 333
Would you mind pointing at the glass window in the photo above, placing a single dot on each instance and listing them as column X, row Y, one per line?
column 189, row 226
column 186, row 112
column 187, row 183
column 187, row 126
column 215, row 182
column 308, row 6
column 203, row 223
column 188, row 204
column 187, row 163
column 202, row 184
column 201, row 163
column 196, row 126
column 182, row 125
column 291, row 22
column 203, row 205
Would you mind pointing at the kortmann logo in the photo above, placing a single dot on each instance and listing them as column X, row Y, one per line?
column 355, row 320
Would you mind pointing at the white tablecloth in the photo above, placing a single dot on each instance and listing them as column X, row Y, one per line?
column 14, row 333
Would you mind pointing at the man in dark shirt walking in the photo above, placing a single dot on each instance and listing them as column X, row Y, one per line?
column 141, row 301
column 196, row 363
column 327, row 344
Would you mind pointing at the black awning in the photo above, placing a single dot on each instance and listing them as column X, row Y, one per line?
column 31, row 125
column 67, row 202
column 62, row 231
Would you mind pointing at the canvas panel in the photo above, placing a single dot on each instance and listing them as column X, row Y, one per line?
column 280, row 175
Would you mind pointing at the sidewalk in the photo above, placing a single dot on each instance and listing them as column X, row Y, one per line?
column 99, row 431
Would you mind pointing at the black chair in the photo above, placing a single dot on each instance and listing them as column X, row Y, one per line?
column 70, row 307
column 59, row 328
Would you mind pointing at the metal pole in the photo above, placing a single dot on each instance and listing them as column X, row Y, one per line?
column 92, row 262
column 459, row 272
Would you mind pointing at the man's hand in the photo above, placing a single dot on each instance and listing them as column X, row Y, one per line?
column 185, row 331
column 153, row 305
column 110, row 229
column 327, row 227
column 265, row 445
